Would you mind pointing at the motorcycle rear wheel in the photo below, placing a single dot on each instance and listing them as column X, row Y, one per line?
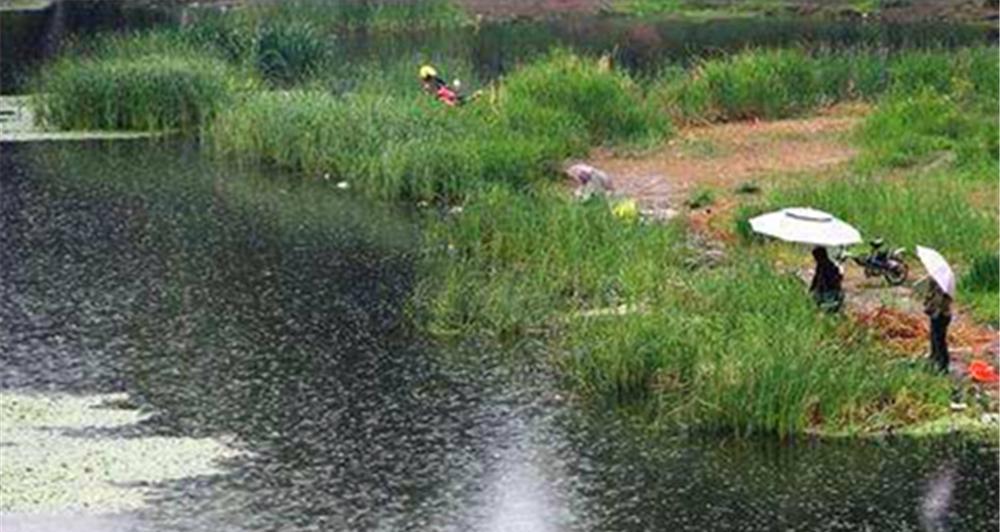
column 896, row 273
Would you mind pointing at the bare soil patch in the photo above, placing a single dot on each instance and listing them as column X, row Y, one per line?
column 724, row 156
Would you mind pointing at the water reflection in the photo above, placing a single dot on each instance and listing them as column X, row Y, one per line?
column 269, row 312
column 937, row 498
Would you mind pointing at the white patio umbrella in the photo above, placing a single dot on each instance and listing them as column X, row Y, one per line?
column 806, row 226
column 938, row 269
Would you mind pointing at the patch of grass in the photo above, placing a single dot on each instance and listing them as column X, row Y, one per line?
column 283, row 52
column 909, row 129
column 607, row 102
column 906, row 129
column 231, row 35
column 980, row 287
column 397, row 147
column 983, row 274
column 768, row 84
column 289, row 53
column 410, row 146
column 517, row 264
column 366, row 15
column 645, row 8
column 916, row 71
column 152, row 92
column 701, row 197
column 985, row 306
column 756, row 84
column 701, row 148
column 748, row 187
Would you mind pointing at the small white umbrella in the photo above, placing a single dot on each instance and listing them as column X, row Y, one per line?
column 938, row 269
column 806, row 226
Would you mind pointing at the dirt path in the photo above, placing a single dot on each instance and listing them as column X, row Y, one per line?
column 725, row 156
column 766, row 154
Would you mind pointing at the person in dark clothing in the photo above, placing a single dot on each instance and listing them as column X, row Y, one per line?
column 937, row 306
column 826, row 284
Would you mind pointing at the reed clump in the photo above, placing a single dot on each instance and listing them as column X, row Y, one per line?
column 909, row 129
column 514, row 265
column 153, row 92
column 769, row 84
column 379, row 16
column 607, row 101
column 390, row 147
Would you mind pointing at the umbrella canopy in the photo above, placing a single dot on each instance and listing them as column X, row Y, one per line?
column 938, row 269
column 806, row 226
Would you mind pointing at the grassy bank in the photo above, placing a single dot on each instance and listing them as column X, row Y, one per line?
column 636, row 323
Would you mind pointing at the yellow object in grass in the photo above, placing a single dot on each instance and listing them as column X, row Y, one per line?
column 626, row 210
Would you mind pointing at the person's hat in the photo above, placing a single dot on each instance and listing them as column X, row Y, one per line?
column 427, row 72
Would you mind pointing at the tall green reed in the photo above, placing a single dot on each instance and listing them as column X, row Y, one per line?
column 608, row 102
column 779, row 83
column 153, row 92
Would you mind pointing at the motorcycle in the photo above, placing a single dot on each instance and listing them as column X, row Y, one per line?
column 882, row 262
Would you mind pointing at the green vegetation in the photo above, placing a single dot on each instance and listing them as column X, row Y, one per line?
column 939, row 106
column 288, row 53
column 152, row 92
column 387, row 147
column 738, row 349
column 412, row 147
column 701, row 197
column 980, row 286
column 747, row 187
column 772, row 84
column 532, row 259
column 930, row 153
column 607, row 101
column 759, row 84
column 697, row 8
column 365, row 15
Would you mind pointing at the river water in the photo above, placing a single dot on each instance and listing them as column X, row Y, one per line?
column 269, row 312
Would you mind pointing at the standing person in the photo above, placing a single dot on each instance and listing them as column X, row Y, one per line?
column 826, row 283
column 937, row 306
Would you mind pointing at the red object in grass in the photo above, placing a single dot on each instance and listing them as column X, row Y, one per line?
column 447, row 96
column 983, row 372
